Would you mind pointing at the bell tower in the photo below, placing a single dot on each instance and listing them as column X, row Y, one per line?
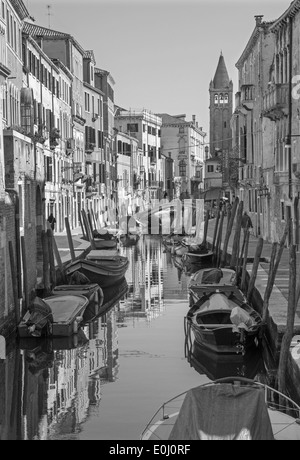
column 220, row 109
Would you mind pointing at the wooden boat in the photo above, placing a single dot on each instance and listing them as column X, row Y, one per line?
column 129, row 239
column 213, row 280
column 53, row 316
column 224, row 321
column 213, row 276
column 92, row 292
column 172, row 239
column 198, row 255
column 100, row 243
column 250, row 409
column 98, row 268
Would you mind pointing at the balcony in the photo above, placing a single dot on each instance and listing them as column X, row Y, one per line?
column 275, row 101
column 247, row 95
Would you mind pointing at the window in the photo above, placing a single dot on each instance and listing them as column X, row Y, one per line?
column 210, row 168
column 216, row 98
column 226, row 98
column 282, row 211
column 87, row 102
column 3, row 10
column 132, row 127
column 182, row 168
column 225, row 124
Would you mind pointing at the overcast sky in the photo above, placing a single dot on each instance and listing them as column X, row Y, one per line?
column 162, row 54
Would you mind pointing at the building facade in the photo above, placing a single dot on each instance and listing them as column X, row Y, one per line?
column 183, row 142
column 252, row 133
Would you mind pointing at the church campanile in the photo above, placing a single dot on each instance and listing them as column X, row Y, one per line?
column 220, row 109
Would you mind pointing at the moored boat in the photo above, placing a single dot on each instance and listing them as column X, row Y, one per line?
column 92, row 292
column 224, row 321
column 53, row 316
column 198, row 255
column 253, row 411
column 105, row 271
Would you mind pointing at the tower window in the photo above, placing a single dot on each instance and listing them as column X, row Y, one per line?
column 216, row 98
column 225, row 124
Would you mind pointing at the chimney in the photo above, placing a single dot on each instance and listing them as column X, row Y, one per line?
column 194, row 119
column 258, row 19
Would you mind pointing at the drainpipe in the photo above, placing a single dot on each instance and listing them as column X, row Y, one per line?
column 18, row 239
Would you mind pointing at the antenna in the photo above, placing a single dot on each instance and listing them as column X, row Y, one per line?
column 49, row 15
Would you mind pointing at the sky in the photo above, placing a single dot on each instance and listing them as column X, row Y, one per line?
column 162, row 54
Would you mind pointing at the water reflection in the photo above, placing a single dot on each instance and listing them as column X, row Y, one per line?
column 219, row 365
column 49, row 389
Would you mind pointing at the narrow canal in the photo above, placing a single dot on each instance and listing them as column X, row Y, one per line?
column 107, row 382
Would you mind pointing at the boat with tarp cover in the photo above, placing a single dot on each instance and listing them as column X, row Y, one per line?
column 252, row 410
column 223, row 321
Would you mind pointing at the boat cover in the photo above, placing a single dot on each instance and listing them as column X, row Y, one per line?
column 223, row 412
column 212, row 276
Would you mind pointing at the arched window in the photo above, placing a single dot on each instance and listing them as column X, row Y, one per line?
column 226, row 98
column 216, row 98
column 182, row 168
column 221, row 99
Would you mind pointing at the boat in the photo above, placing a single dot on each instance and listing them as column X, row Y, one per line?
column 100, row 243
column 53, row 316
column 129, row 239
column 213, row 280
column 92, row 292
column 198, row 254
column 105, row 270
column 231, row 408
column 224, row 321
column 220, row 365
column 213, row 276
column 173, row 239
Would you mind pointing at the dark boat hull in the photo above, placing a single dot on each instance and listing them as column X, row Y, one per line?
column 195, row 258
column 105, row 275
column 224, row 340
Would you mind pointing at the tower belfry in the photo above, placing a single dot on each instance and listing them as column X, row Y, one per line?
column 220, row 108
column 49, row 15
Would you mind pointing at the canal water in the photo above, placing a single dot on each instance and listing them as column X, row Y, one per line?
column 107, row 382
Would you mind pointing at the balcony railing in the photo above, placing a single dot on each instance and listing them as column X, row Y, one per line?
column 275, row 101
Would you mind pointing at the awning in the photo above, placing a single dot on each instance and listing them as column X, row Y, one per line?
column 212, row 194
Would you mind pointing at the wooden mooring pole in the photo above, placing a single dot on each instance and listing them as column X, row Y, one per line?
column 244, row 268
column 237, row 236
column 217, row 254
column 258, row 252
column 25, row 279
column 287, row 337
column 205, row 228
column 274, row 263
column 228, row 232
column 70, row 241
column 46, row 271
column 215, row 230
column 51, row 258
column 13, row 273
